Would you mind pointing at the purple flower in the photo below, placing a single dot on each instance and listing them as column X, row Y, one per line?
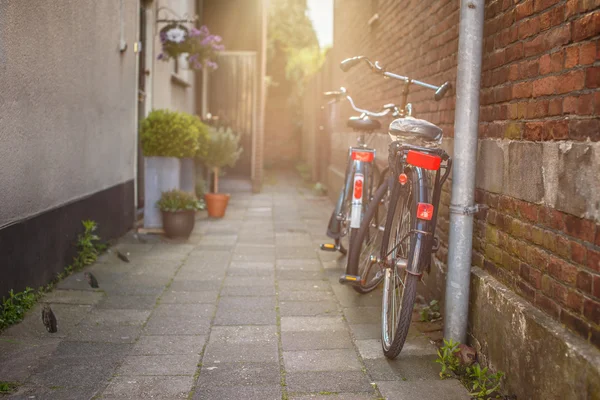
column 163, row 37
column 204, row 30
column 195, row 32
column 160, row 56
column 211, row 64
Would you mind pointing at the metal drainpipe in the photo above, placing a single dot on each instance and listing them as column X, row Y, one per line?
column 462, row 208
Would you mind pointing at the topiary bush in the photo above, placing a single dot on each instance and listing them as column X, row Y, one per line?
column 224, row 150
column 166, row 133
column 178, row 200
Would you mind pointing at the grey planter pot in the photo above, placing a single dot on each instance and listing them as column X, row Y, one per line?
column 161, row 174
column 187, row 180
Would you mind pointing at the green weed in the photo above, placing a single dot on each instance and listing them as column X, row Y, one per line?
column 431, row 312
column 8, row 387
column 13, row 308
column 483, row 384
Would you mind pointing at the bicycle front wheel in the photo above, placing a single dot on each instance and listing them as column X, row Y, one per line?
column 398, row 250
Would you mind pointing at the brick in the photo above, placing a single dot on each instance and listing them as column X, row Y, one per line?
column 592, row 77
column 525, row 290
column 548, row 305
column 595, row 337
column 586, row 26
column 580, row 228
column 562, row 270
column 571, row 81
column 544, row 86
column 555, row 107
column 537, row 235
column 576, row 324
column 555, row 130
column 572, row 8
column 593, row 259
column 552, row 218
column 536, row 257
column 522, row 90
column 513, row 72
column 528, row 28
column 571, row 57
column 510, row 263
column 582, row 129
column 596, row 286
column 514, row 52
column 563, row 246
column 591, row 310
column 552, row 62
column 557, row 36
column 535, row 278
column 550, row 242
column 579, row 105
column 477, row 259
column 584, row 282
column 597, row 239
column 552, row 18
column 540, row 5
column 529, row 68
column 533, row 131
column 491, row 235
column 524, row 9
column 588, row 53
column 528, row 211
column 537, row 109
column 513, row 131
column 574, row 301
column 578, row 253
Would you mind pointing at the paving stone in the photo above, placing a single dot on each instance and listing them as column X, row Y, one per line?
column 104, row 333
column 254, row 257
column 312, row 285
column 132, row 290
column 169, row 345
column 301, row 275
column 116, row 317
column 414, row 368
column 179, row 297
column 448, row 389
column 246, row 311
column 20, row 356
column 256, row 281
column 365, row 331
column 187, row 285
column 73, row 297
column 315, row 340
column 242, row 374
column 336, row 396
column 270, row 392
column 326, row 381
column 305, row 295
column 180, row 364
column 363, row 315
column 251, row 250
column 309, row 308
column 286, row 239
column 212, row 274
column 348, row 297
column 321, row 360
column 218, row 240
column 298, row 265
column 180, row 319
column 148, row 387
column 67, row 315
column 248, row 291
column 253, row 343
column 295, row 252
column 312, row 324
column 119, row 302
column 52, row 392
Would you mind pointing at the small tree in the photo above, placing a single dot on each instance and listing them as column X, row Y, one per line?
column 223, row 150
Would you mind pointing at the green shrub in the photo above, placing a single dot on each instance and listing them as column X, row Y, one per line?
column 203, row 136
column 178, row 200
column 13, row 308
column 167, row 133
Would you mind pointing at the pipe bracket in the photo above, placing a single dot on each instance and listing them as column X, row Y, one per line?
column 467, row 210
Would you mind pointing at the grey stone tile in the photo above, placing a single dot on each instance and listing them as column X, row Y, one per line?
column 178, row 297
column 252, row 250
column 255, row 281
column 148, row 387
column 312, row 285
column 104, row 333
column 20, row 356
column 246, row 311
column 270, row 392
column 301, row 264
column 414, row 368
column 160, row 365
column 321, row 360
column 119, row 302
column 250, row 269
column 188, row 285
column 348, row 297
column 305, row 295
column 370, row 348
column 301, row 275
column 180, row 319
column 240, row 374
column 252, row 343
column 248, row 291
column 73, row 297
column 365, row 331
column 312, row 324
column 67, row 315
column 132, row 290
column 326, row 381
column 448, row 389
column 127, row 317
column 296, row 252
column 308, row 308
column 43, row 392
column 169, row 345
column 292, row 341
column 363, row 315
column 264, row 257
column 337, row 396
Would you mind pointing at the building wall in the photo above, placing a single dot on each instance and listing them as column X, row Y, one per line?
column 538, row 154
column 67, row 130
column 67, row 98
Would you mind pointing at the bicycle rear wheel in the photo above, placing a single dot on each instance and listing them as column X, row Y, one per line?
column 368, row 239
column 399, row 289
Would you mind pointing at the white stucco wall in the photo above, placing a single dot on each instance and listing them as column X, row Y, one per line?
column 67, row 102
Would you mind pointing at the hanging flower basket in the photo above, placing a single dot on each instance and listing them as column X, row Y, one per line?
column 199, row 45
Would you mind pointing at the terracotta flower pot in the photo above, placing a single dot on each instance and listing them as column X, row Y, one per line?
column 216, row 204
column 178, row 224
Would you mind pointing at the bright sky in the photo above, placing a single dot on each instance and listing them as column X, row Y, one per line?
column 321, row 14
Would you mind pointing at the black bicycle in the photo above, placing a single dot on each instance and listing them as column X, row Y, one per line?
column 418, row 169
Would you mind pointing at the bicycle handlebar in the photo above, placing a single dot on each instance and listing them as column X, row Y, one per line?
column 349, row 63
column 337, row 94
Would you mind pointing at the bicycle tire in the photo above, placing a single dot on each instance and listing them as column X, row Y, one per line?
column 394, row 324
column 356, row 256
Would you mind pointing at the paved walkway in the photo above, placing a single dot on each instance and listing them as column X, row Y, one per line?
column 247, row 309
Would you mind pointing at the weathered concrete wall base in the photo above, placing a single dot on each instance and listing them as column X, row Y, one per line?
column 541, row 358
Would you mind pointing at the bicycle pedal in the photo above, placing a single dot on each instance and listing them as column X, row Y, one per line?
column 351, row 279
column 329, row 247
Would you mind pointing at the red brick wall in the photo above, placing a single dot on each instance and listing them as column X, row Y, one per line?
column 540, row 82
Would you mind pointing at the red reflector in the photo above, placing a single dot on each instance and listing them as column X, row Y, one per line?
column 402, row 178
column 423, row 160
column 425, row 211
column 366, row 156
column 358, row 186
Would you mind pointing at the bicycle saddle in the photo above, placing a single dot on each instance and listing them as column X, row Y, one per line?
column 415, row 131
column 364, row 123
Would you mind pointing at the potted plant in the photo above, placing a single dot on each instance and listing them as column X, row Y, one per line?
column 188, row 166
column 166, row 136
column 199, row 45
column 223, row 150
column 178, row 209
